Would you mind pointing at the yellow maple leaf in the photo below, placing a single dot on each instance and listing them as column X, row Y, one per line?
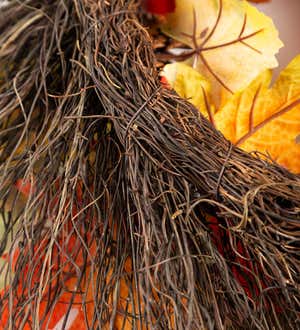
column 266, row 119
column 190, row 84
column 232, row 41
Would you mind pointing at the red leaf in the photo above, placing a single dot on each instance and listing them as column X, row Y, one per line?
column 24, row 186
column 165, row 82
column 160, row 7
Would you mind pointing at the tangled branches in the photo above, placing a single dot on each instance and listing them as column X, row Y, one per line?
column 130, row 191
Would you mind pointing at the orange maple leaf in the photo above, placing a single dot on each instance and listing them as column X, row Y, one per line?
column 266, row 119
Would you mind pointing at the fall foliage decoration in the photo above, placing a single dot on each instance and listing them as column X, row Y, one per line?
column 122, row 206
column 258, row 118
column 225, row 35
column 266, row 119
column 259, row 1
column 253, row 117
column 159, row 7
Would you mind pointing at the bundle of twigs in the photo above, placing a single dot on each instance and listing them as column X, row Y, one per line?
column 113, row 188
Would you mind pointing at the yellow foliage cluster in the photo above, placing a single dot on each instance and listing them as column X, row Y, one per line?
column 228, row 76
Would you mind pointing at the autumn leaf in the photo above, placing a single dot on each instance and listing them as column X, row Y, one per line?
column 159, row 7
column 232, row 42
column 68, row 255
column 55, row 317
column 190, row 84
column 258, row 118
column 83, row 294
column 266, row 119
column 3, row 259
column 259, row 1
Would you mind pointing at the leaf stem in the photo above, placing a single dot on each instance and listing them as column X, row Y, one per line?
column 208, row 107
column 266, row 121
column 213, row 73
column 215, row 26
column 252, row 108
column 229, row 43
